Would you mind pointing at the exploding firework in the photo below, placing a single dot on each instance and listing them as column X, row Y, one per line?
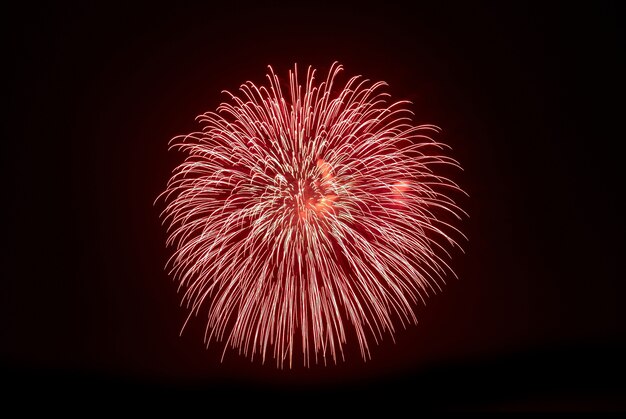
column 304, row 220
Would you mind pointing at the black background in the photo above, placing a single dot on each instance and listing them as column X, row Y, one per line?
column 530, row 97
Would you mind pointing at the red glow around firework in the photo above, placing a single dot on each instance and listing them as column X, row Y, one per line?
column 304, row 220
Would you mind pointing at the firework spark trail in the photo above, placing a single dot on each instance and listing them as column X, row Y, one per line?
column 295, row 216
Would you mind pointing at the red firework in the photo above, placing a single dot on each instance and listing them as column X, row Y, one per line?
column 313, row 217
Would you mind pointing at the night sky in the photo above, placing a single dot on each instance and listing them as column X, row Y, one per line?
column 529, row 96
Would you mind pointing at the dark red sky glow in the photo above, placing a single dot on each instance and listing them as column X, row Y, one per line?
column 529, row 98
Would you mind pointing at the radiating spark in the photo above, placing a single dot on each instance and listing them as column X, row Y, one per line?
column 303, row 220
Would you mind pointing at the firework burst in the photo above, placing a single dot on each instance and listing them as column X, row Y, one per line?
column 304, row 220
